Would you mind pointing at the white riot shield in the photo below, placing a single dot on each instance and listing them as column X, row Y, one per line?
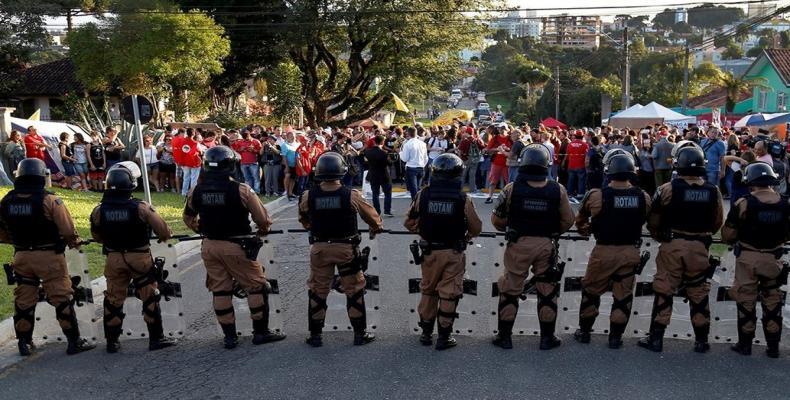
column 337, row 314
column 165, row 256
column 47, row 328
column 242, row 308
column 527, row 317
column 472, row 306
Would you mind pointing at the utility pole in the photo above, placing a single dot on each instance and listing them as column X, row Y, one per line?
column 686, row 79
column 626, row 71
column 557, row 93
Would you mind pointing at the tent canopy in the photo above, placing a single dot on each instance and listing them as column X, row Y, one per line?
column 448, row 116
column 652, row 113
column 553, row 123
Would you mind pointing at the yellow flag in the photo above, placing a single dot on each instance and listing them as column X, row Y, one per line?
column 399, row 104
column 36, row 116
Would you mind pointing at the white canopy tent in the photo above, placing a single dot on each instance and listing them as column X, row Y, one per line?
column 653, row 113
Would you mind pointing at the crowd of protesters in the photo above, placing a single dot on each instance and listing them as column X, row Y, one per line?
column 279, row 161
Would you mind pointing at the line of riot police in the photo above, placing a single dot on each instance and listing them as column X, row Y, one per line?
column 533, row 211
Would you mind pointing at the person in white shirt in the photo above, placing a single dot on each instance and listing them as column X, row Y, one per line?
column 415, row 154
column 437, row 145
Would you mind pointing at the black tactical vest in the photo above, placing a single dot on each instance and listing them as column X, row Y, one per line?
column 621, row 218
column 534, row 211
column 121, row 226
column 222, row 214
column 331, row 214
column 25, row 221
column 442, row 212
column 692, row 207
column 765, row 225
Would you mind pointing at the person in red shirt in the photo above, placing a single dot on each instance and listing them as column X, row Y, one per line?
column 577, row 151
column 35, row 146
column 186, row 153
column 498, row 145
column 250, row 149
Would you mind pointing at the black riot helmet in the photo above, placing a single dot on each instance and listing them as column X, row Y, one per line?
column 611, row 153
column 447, row 166
column 220, row 159
column 682, row 145
column 331, row 166
column 535, row 161
column 620, row 167
column 122, row 176
column 690, row 161
column 760, row 174
column 31, row 173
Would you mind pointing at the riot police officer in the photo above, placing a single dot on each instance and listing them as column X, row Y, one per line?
column 445, row 218
column 329, row 211
column 758, row 225
column 618, row 213
column 219, row 208
column 685, row 213
column 40, row 227
column 123, row 224
column 532, row 210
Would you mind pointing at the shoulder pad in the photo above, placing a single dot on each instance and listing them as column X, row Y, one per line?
column 588, row 194
column 58, row 201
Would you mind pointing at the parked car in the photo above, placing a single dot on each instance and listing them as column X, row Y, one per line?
column 481, row 97
column 483, row 106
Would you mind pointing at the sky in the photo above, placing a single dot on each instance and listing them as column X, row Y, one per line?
column 591, row 3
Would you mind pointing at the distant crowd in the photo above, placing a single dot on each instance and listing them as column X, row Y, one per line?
column 279, row 161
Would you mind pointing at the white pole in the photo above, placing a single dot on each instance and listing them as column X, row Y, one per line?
column 143, row 166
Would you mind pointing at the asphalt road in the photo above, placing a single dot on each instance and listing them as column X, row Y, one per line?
column 393, row 367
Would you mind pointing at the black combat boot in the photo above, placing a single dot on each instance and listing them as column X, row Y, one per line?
column 261, row 332
column 616, row 335
column 426, row 338
column 316, row 326
column 156, row 337
column 547, row 339
column 76, row 344
column 701, row 344
column 231, row 339
column 112, row 334
column 504, row 337
column 772, row 342
column 582, row 335
column 25, row 343
column 655, row 340
column 744, row 345
column 445, row 340
column 361, row 335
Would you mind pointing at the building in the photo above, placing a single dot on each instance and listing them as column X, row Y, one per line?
column 772, row 69
column 762, row 8
column 681, row 15
column 517, row 25
column 43, row 87
column 572, row 31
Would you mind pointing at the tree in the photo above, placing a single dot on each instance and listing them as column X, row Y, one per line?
column 344, row 47
column 154, row 53
column 710, row 16
column 72, row 8
column 784, row 39
column 664, row 19
column 284, row 83
column 733, row 51
column 21, row 33
column 255, row 29
column 734, row 86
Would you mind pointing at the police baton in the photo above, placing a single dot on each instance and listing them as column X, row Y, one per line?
column 186, row 238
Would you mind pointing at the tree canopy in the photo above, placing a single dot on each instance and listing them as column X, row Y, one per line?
column 21, row 33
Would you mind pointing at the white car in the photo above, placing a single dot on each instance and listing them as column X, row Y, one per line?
column 483, row 106
column 457, row 92
column 481, row 96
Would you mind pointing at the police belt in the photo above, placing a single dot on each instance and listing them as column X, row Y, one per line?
column 707, row 240
column 355, row 240
column 637, row 242
column 44, row 247
column 431, row 246
column 777, row 253
column 147, row 249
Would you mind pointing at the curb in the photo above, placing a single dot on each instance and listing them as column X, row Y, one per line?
column 273, row 207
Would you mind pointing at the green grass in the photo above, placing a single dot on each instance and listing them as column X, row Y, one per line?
column 80, row 205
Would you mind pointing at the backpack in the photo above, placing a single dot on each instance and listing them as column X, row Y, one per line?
column 474, row 151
